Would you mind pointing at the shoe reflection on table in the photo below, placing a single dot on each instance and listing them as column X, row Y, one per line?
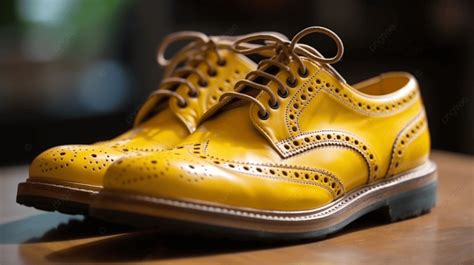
column 106, row 242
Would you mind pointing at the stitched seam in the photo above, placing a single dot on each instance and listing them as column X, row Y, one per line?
column 301, row 90
column 281, row 167
column 373, row 112
column 333, row 142
column 401, row 133
column 337, row 144
column 63, row 186
column 288, row 180
column 412, row 138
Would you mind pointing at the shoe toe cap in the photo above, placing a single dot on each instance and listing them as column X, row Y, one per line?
column 74, row 163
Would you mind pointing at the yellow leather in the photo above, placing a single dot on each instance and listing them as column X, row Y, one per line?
column 86, row 164
column 325, row 139
column 239, row 160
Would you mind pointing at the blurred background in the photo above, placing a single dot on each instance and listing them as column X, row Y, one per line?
column 75, row 71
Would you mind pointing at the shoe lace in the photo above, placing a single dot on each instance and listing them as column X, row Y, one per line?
column 185, row 63
column 284, row 52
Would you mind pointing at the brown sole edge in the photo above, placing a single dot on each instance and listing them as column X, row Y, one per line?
column 55, row 197
column 404, row 196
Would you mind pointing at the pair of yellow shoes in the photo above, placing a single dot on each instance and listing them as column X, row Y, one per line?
column 285, row 148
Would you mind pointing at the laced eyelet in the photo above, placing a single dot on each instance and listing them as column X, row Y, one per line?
column 282, row 93
column 182, row 104
column 221, row 62
column 202, row 83
column 303, row 73
column 211, row 72
column 192, row 94
column 273, row 105
column 291, row 83
column 263, row 116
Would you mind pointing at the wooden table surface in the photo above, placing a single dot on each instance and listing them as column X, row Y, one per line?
column 444, row 236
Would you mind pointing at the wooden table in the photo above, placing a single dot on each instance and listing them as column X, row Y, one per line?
column 445, row 236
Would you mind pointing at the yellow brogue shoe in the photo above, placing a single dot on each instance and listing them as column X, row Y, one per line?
column 293, row 152
column 64, row 178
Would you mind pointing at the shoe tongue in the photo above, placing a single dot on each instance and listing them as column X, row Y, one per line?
column 236, row 67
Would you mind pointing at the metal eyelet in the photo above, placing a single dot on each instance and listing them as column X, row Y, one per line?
column 282, row 93
column 212, row 72
column 291, row 83
column 263, row 116
column 203, row 83
column 303, row 74
column 273, row 105
column 182, row 105
column 192, row 94
column 221, row 62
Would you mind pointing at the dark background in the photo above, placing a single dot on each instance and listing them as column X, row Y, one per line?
column 75, row 71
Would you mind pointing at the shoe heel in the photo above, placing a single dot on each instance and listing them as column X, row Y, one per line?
column 412, row 203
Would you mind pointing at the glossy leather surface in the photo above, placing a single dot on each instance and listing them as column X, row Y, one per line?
column 86, row 164
column 325, row 139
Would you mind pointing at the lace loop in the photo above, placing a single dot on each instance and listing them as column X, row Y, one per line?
column 196, row 38
column 181, row 101
column 244, row 44
column 311, row 52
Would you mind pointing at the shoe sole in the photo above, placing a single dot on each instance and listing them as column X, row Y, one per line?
column 69, row 198
column 401, row 197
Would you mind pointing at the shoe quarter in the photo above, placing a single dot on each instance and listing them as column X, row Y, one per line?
column 322, row 112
